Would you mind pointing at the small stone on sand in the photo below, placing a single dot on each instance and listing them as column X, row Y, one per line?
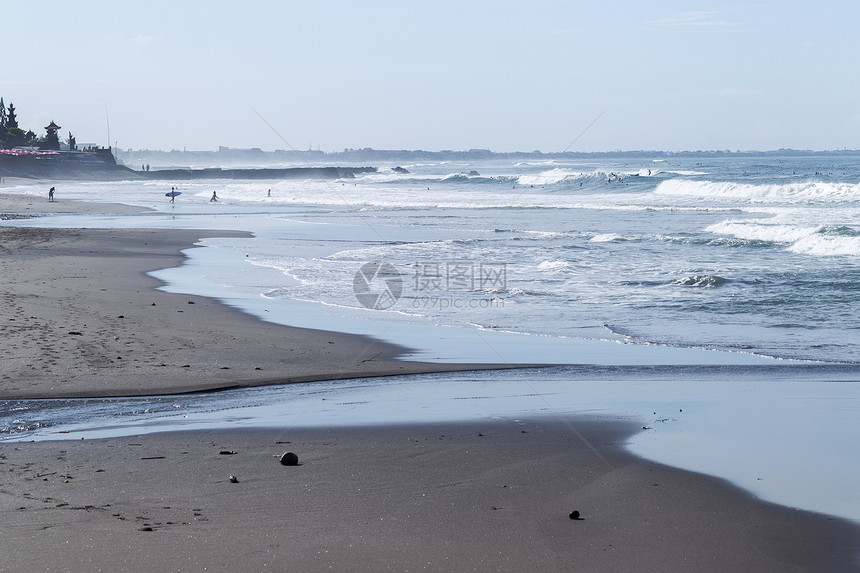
column 574, row 514
column 290, row 459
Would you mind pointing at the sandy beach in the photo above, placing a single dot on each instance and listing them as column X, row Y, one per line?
column 81, row 318
column 495, row 496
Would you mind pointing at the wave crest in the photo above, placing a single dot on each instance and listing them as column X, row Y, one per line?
column 806, row 192
column 704, row 281
column 819, row 241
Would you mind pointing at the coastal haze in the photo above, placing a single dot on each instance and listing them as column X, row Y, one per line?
column 403, row 243
column 505, row 76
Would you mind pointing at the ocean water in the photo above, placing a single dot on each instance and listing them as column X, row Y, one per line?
column 722, row 286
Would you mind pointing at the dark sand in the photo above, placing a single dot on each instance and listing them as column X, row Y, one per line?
column 492, row 496
column 78, row 319
column 34, row 205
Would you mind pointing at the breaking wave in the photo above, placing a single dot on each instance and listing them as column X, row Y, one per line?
column 806, row 192
column 705, row 281
column 819, row 240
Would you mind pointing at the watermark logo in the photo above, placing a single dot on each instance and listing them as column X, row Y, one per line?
column 378, row 285
column 438, row 285
column 459, row 276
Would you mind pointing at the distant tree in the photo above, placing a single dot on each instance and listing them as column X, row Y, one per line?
column 15, row 136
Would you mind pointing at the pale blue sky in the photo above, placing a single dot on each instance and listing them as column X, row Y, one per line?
column 670, row 75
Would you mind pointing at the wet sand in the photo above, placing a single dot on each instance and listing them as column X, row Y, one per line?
column 491, row 496
column 80, row 318
column 17, row 206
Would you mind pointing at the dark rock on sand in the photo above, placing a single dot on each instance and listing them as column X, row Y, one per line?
column 290, row 459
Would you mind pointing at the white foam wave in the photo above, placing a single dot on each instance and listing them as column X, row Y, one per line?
column 825, row 246
column 550, row 177
column 771, row 233
column 605, row 237
column 811, row 191
column 805, row 240
column 373, row 193
column 552, row 265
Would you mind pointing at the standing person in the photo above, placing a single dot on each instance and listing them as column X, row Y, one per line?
column 173, row 194
column 214, row 197
column 51, row 194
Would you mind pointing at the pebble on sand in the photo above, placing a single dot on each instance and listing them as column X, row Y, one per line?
column 574, row 514
column 290, row 459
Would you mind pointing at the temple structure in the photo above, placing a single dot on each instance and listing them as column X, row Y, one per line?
column 52, row 141
column 22, row 154
column 11, row 120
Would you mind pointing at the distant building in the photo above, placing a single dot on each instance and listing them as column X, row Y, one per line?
column 52, row 140
column 11, row 120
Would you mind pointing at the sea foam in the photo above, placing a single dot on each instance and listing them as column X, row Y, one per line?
column 812, row 191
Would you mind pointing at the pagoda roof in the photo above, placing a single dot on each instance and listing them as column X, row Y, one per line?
column 53, row 125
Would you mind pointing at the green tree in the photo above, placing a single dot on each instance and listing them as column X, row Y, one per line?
column 15, row 136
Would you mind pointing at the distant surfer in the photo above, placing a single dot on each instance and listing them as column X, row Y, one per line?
column 270, row 192
column 214, row 197
column 51, row 194
column 172, row 192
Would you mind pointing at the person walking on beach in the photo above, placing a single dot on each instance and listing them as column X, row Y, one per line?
column 51, row 195
column 214, row 197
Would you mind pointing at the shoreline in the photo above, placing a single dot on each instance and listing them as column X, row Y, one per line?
column 25, row 206
column 483, row 496
column 82, row 318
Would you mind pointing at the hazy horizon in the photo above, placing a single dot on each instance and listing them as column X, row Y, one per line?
column 493, row 151
column 549, row 76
